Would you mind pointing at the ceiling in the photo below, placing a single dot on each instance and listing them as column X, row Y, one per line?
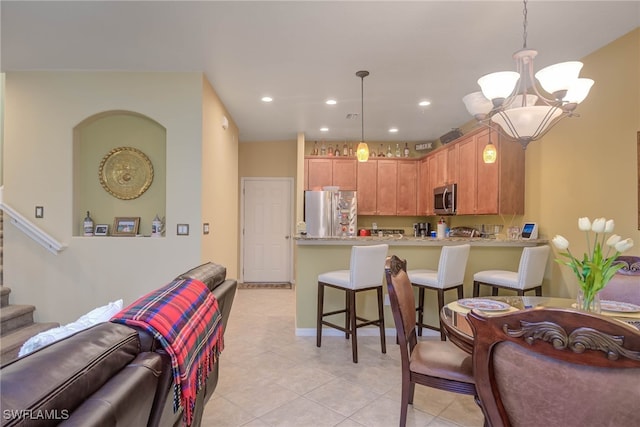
column 302, row 53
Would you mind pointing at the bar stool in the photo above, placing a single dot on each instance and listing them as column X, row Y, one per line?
column 533, row 263
column 449, row 276
column 366, row 270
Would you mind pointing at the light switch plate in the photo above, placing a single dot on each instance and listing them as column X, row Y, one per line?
column 39, row 211
column 183, row 230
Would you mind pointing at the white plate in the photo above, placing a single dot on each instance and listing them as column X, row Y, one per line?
column 483, row 304
column 619, row 307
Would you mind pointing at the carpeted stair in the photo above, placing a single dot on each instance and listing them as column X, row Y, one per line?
column 16, row 321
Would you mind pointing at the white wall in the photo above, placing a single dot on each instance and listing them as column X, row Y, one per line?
column 41, row 110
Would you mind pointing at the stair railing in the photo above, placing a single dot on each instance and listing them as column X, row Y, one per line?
column 30, row 229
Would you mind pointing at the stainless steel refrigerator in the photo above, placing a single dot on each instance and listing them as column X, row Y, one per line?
column 331, row 213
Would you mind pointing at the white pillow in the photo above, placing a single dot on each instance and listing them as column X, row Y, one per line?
column 95, row 316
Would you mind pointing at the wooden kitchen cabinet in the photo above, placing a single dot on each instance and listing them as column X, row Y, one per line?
column 387, row 187
column 345, row 174
column 323, row 172
column 490, row 188
column 407, row 197
column 320, row 173
column 367, row 173
column 425, row 193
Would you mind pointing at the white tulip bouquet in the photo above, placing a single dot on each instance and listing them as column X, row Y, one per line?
column 596, row 269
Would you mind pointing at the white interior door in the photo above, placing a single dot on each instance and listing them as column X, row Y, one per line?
column 266, row 229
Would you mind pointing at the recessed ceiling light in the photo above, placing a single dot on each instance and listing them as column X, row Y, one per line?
column 324, row 129
column 267, row 99
column 424, row 103
column 331, row 102
column 393, row 130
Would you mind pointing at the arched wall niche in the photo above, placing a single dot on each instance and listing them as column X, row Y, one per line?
column 93, row 139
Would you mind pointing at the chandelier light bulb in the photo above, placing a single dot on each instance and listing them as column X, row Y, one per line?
column 489, row 154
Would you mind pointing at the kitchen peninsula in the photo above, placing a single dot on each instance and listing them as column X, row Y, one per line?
column 318, row 255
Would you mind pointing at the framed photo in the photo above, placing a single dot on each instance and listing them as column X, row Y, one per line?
column 125, row 226
column 183, row 230
column 101, row 230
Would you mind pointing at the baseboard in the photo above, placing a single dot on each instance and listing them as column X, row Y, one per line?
column 364, row 332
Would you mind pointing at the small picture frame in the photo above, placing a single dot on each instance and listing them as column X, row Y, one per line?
column 205, row 228
column 101, row 230
column 125, row 226
column 183, row 230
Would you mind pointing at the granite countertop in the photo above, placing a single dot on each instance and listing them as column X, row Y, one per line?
column 401, row 240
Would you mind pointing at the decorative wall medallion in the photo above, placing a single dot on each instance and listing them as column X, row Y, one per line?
column 126, row 173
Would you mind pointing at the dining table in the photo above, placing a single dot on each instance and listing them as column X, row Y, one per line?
column 459, row 332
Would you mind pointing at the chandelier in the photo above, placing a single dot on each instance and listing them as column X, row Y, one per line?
column 511, row 99
column 362, row 152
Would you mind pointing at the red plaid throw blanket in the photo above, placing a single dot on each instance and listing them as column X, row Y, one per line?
column 184, row 317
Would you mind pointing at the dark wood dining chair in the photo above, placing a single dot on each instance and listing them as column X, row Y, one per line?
column 437, row 364
column 556, row 367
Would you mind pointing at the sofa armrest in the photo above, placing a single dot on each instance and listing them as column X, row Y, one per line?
column 125, row 400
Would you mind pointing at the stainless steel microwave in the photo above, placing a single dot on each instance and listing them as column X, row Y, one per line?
column 444, row 199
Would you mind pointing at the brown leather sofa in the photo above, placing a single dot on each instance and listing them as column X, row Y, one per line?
column 107, row 375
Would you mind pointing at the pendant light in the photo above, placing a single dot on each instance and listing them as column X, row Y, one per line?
column 511, row 103
column 363, row 149
column 489, row 154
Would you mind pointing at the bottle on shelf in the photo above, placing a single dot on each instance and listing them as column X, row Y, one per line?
column 351, row 150
column 389, row 153
column 87, row 225
column 381, row 152
column 323, row 149
column 398, row 150
column 315, row 149
column 406, row 149
column 337, row 151
column 345, row 149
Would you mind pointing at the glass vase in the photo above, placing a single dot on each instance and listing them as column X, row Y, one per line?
column 585, row 304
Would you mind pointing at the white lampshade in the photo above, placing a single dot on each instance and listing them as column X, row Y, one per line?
column 477, row 104
column 517, row 101
column 559, row 76
column 498, row 85
column 578, row 91
column 526, row 121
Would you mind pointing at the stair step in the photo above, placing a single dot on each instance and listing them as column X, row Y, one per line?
column 11, row 343
column 15, row 316
column 4, row 296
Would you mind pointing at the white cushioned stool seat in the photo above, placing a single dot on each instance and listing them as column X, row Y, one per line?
column 529, row 276
column 450, row 275
column 366, row 270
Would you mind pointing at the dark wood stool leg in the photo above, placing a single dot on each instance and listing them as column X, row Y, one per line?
column 476, row 289
column 443, row 337
column 420, row 309
column 347, row 318
column 319, row 316
column 539, row 291
column 383, row 339
column 353, row 326
column 494, row 291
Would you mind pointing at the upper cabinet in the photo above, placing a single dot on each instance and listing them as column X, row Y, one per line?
column 404, row 187
column 490, row 188
column 323, row 172
column 407, row 197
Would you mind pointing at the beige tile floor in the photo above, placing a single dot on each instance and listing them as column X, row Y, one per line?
column 271, row 377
